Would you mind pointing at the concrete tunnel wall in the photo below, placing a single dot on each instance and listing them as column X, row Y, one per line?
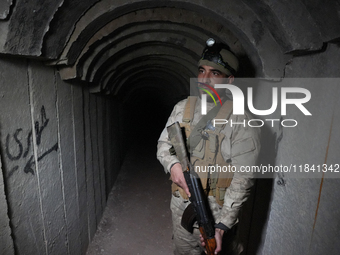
column 74, row 69
column 300, row 215
column 57, row 145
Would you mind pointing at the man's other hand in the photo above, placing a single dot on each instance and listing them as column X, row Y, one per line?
column 218, row 237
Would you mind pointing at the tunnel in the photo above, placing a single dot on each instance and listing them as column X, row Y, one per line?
column 87, row 88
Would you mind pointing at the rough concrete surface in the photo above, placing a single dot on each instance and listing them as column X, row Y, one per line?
column 5, row 233
column 137, row 219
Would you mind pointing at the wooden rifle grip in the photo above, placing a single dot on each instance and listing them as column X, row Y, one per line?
column 210, row 244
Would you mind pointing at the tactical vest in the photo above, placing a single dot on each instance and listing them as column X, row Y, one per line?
column 208, row 153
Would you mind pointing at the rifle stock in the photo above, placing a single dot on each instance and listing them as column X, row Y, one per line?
column 198, row 199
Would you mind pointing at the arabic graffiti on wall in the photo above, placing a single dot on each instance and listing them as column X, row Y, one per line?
column 23, row 146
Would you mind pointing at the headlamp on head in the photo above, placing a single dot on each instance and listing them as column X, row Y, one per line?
column 219, row 57
column 210, row 42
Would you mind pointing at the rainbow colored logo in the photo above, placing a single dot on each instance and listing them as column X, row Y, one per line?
column 209, row 93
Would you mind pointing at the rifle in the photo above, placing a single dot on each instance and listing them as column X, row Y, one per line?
column 198, row 210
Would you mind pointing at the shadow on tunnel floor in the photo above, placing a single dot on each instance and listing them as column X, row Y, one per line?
column 137, row 219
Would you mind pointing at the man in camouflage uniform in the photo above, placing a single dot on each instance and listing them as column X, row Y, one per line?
column 239, row 147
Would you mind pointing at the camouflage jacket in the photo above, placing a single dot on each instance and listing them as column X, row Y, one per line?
column 241, row 144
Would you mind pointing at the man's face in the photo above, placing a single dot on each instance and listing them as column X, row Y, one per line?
column 211, row 76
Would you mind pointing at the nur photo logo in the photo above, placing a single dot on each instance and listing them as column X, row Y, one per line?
column 280, row 98
column 204, row 87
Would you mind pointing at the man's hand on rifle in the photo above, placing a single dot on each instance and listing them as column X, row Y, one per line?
column 218, row 237
column 178, row 177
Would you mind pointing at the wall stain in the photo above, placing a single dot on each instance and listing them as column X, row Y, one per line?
column 321, row 182
column 23, row 154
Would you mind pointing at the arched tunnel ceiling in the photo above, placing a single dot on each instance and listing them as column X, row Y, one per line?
column 174, row 38
column 111, row 43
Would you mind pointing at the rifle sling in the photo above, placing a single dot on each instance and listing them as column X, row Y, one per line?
column 196, row 134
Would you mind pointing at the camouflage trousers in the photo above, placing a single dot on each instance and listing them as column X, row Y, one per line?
column 185, row 243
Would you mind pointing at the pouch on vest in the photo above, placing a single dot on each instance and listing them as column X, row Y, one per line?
column 199, row 150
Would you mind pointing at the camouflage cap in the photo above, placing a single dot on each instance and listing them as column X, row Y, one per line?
column 219, row 58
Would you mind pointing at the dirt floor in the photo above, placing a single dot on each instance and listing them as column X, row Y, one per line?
column 137, row 219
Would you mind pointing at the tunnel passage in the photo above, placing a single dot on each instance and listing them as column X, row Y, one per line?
column 109, row 66
column 144, row 59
